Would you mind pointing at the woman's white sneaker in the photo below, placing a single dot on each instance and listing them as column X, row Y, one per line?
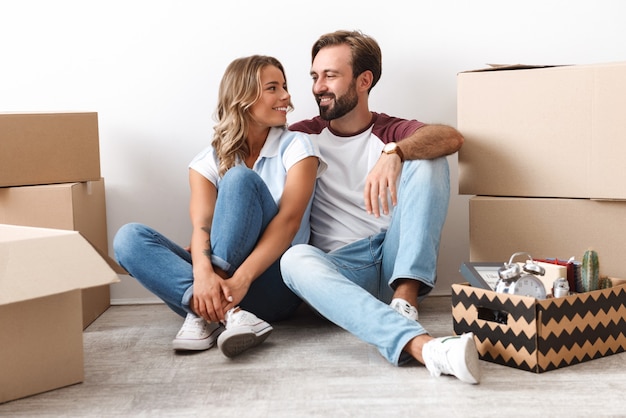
column 456, row 355
column 243, row 331
column 196, row 334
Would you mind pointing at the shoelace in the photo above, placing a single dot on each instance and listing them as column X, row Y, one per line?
column 231, row 316
column 236, row 316
column 191, row 323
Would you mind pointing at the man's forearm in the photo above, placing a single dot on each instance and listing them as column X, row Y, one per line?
column 430, row 142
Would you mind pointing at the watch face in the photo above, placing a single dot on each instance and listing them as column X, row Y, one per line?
column 390, row 147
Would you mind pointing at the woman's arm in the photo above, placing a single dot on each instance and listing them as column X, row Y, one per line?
column 208, row 300
column 279, row 234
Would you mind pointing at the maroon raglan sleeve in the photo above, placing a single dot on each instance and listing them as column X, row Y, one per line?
column 392, row 129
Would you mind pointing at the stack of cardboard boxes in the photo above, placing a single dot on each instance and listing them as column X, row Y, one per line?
column 544, row 152
column 543, row 157
column 54, row 268
column 50, row 178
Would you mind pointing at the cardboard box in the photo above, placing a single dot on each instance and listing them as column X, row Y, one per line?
column 543, row 132
column 548, row 228
column 42, row 272
column 44, row 148
column 73, row 206
column 541, row 335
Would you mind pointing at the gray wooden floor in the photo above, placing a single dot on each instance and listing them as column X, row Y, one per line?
column 307, row 367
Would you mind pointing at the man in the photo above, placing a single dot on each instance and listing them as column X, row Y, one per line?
column 377, row 215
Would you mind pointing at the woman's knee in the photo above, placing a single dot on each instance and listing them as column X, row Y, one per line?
column 126, row 238
column 239, row 175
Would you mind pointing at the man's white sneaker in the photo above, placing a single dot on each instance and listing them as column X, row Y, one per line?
column 243, row 331
column 455, row 356
column 196, row 334
column 404, row 308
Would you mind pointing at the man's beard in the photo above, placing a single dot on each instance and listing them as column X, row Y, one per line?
column 342, row 106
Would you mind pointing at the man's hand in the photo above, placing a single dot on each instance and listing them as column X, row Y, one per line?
column 381, row 183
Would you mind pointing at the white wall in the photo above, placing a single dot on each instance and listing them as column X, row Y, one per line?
column 151, row 68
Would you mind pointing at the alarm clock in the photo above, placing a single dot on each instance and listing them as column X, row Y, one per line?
column 522, row 281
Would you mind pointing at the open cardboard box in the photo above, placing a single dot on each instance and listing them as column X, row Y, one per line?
column 542, row 335
column 42, row 273
column 78, row 206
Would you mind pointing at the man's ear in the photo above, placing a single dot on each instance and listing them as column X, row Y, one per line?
column 364, row 80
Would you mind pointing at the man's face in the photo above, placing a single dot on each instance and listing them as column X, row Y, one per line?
column 334, row 86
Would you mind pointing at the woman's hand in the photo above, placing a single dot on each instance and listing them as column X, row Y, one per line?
column 235, row 289
column 209, row 300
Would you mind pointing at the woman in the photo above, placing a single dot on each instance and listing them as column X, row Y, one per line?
column 250, row 200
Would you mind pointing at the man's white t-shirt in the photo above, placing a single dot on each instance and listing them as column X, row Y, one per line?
column 338, row 216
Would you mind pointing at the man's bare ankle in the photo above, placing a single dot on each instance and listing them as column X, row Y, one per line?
column 408, row 290
column 415, row 346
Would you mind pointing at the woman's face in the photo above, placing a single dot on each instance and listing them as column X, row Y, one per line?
column 271, row 108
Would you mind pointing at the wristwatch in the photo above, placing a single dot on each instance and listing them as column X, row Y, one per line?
column 393, row 148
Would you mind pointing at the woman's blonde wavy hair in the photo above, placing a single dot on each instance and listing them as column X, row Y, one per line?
column 239, row 89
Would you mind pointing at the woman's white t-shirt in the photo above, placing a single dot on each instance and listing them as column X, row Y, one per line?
column 282, row 149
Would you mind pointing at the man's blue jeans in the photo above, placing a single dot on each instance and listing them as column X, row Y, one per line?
column 352, row 285
column 243, row 210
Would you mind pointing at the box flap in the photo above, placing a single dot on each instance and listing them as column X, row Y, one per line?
column 36, row 262
column 504, row 67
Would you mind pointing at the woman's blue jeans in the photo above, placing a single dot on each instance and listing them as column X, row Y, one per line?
column 353, row 285
column 243, row 210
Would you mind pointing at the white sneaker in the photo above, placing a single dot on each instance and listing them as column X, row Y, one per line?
column 243, row 331
column 455, row 356
column 196, row 334
column 404, row 308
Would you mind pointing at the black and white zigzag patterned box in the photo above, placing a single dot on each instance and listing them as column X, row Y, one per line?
column 542, row 335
